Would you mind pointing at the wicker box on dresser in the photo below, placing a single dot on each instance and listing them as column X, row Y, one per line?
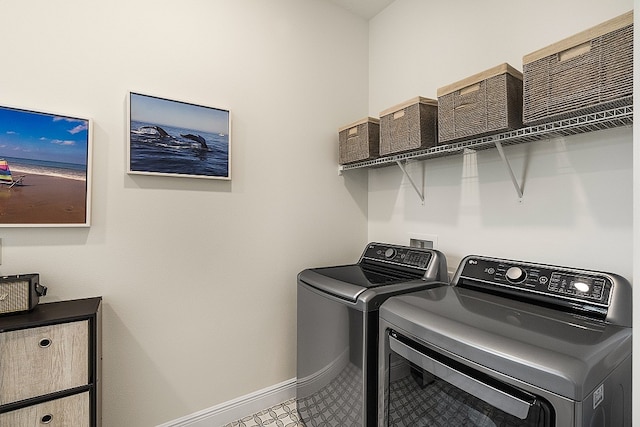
column 50, row 365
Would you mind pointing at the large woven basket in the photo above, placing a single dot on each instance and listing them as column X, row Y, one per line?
column 590, row 71
column 485, row 103
column 359, row 141
column 409, row 126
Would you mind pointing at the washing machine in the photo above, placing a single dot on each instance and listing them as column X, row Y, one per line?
column 509, row 343
column 337, row 329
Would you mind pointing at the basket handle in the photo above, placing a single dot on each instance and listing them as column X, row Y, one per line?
column 461, row 106
column 469, row 89
column 575, row 51
column 353, row 132
column 398, row 114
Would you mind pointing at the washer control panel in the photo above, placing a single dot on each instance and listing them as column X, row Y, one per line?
column 542, row 280
column 398, row 255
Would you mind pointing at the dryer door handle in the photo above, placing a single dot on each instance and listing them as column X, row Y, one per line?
column 500, row 399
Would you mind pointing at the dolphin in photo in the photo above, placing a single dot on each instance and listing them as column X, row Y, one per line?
column 196, row 138
column 163, row 133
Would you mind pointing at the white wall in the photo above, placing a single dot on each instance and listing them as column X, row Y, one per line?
column 636, row 217
column 579, row 198
column 577, row 205
column 198, row 276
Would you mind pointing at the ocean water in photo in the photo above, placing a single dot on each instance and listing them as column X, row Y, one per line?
column 172, row 150
column 45, row 167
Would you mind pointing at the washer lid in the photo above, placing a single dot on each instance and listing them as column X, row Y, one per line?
column 381, row 264
column 554, row 350
column 349, row 281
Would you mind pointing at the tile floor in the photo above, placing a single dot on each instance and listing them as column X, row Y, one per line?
column 334, row 405
column 282, row 415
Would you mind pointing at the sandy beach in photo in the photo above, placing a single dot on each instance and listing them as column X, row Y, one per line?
column 43, row 199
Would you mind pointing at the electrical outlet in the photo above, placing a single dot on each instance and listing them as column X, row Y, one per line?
column 422, row 244
column 424, row 241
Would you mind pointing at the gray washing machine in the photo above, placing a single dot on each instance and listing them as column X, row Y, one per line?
column 509, row 343
column 337, row 365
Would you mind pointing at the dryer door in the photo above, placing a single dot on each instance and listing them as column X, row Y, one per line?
column 430, row 389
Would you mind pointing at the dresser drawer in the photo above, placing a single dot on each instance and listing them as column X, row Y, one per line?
column 64, row 412
column 43, row 360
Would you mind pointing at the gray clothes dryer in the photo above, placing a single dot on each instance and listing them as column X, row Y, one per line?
column 509, row 343
column 337, row 351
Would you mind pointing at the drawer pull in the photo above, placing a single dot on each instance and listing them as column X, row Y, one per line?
column 46, row 419
column 44, row 343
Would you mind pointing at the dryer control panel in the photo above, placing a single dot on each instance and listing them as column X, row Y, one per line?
column 577, row 289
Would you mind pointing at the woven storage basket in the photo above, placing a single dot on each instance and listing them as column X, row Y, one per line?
column 409, row 126
column 587, row 72
column 359, row 141
column 485, row 103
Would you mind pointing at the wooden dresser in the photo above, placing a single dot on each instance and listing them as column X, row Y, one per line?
column 50, row 365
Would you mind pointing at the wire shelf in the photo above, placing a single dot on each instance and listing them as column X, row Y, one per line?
column 608, row 119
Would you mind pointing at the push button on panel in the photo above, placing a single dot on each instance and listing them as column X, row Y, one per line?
column 582, row 286
column 418, row 259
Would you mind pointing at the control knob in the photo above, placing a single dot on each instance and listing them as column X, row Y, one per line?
column 389, row 253
column 516, row 274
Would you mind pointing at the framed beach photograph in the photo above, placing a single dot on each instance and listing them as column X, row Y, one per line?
column 175, row 138
column 45, row 169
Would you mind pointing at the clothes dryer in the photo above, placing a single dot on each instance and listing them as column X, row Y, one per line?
column 509, row 343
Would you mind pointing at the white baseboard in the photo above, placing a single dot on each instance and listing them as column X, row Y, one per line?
column 219, row 415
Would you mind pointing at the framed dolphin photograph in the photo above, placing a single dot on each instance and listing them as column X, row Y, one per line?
column 45, row 169
column 176, row 138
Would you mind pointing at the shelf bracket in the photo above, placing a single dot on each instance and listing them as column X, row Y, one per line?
column 516, row 185
column 413, row 184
